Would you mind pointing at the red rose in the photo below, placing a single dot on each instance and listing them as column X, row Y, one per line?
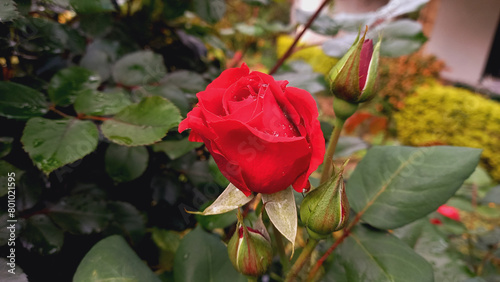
column 263, row 135
column 449, row 211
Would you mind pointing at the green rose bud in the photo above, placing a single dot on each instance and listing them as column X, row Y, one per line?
column 325, row 209
column 250, row 250
column 352, row 79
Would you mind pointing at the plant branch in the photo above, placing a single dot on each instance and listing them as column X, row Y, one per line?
column 347, row 232
column 301, row 260
column 83, row 116
column 486, row 258
column 53, row 108
column 297, row 38
column 332, row 145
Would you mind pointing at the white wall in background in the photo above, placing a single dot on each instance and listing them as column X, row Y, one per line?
column 462, row 35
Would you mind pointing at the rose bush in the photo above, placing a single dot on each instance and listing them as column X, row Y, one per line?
column 263, row 135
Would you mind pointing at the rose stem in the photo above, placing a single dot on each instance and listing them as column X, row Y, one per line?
column 301, row 260
column 252, row 279
column 281, row 250
column 334, row 138
column 297, row 37
column 347, row 232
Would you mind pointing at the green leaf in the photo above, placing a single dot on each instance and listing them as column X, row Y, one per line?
column 211, row 222
column 5, row 146
column 91, row 6
column 338, row 46
column 54, row 143
column 176, row 148
column 5, row 178
column 401, row 37
column 126, row 220
column 80, row 214
column 112, row 259
column 174, row 8
column 41, row 235
column 323, row 24
column 395, row 185
column 29, row 191
column 411, row 233
column 168, row 241
column 282, row 212
column 258, row 2
column 51, row 37
column 202, row 256
column 143, row 123
column 21, row 102
column 125, row 163
column 400, row 7
column 210, row 11
column 217, row 176
column 302, row 76
column 66, row 84
column 249, row 29
column 139, row 68
column 5, row 275
column 101, row 53
column 348, row 145
column 91, row 102
column 169, row 92
column 434, row 247
column 8, row 10
column 231, row 199
column 188, row 81
column 378, row 256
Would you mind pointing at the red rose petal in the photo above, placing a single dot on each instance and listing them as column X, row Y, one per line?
column 364, row 62
column 306, row 107
column 266, row 167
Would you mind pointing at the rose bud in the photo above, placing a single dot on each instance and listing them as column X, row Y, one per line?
column 263, row 135
column 325, row 209
column 352, row 79
column 250, row 251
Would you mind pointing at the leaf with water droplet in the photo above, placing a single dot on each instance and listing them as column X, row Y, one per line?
column 54, row 143
column 142, row 124
column 21, row 102
column 282, row 212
